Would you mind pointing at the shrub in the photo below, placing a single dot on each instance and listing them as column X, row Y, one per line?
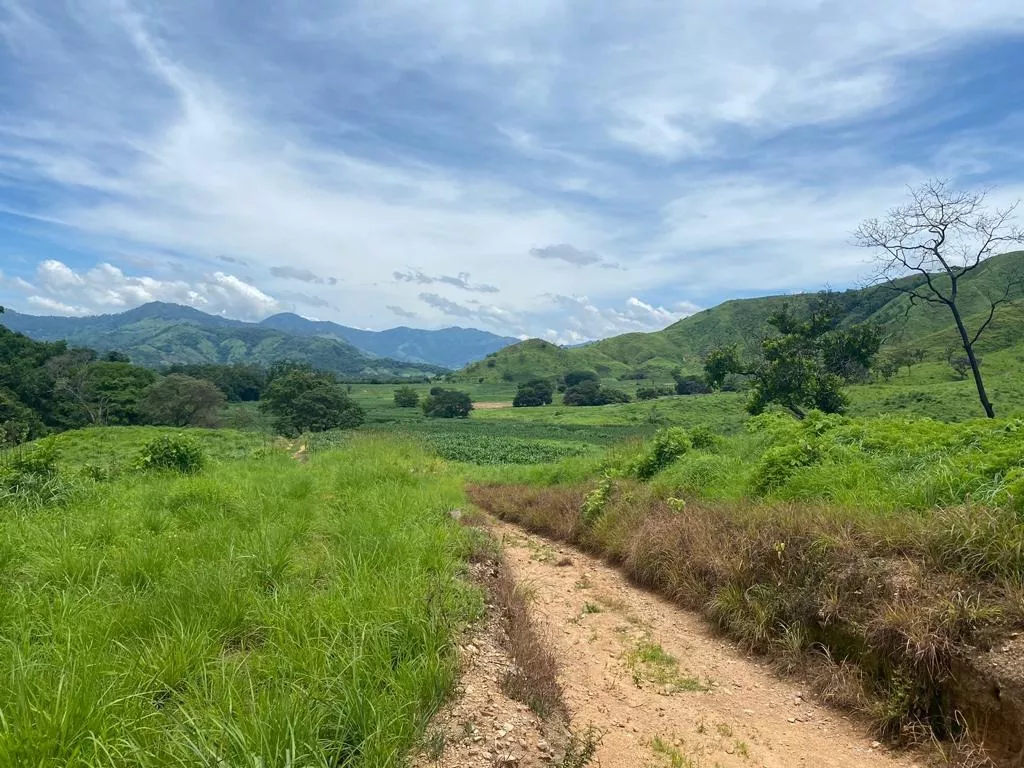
column 666, row 446
column 595, row 502
column 574, row 378
column 651, row 393
column 590, row 392
column 778, row 464
column 690, row 385
column 33, row 477
column 447, row 404
column 702, row 438
column 533, row 393
column 178, row 453
column 406, row 397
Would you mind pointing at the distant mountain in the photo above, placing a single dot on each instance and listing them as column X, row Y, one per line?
column 744, row 321
column 448, row 347
column 160, row 334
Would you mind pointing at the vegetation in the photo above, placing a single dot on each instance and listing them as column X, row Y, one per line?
column 447, row 404
column 928, row 330
column 874, row 555
column 590, row 392
column 304, row 400
column 182, row 401
column 939, row 238
column 534, row 393
column 406, row 397
column 157, row 335
column 260, row 612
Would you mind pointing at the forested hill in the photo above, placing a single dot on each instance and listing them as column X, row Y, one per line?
column 744, row 321
column 159, row 334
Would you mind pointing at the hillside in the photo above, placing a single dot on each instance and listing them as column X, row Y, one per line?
column 743, row 321
column 447, row 347
column 160, row 334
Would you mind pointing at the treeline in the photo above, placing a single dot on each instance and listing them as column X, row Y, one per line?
column 48, row 387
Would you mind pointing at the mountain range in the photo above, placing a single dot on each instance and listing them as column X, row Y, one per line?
column 685, row 343
column 158, row 334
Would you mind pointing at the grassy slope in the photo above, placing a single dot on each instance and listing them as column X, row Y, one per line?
column 684, row 344
column 264, row 612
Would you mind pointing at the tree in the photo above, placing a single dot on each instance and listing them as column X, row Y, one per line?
column 929, row 245
column 406, row 397
column 907, row 357
column 690, row 385
column 575, row 378
column 590, row 392
column 103, row 392
column 805, row 363
column 961, row 364
column 305, row 400
column 183, row 401
column 534, row 393
column 447, row 404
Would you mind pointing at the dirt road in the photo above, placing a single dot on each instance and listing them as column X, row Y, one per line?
column 661, row 687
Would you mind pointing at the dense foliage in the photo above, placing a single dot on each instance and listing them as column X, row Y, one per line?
column 590, row 392
column 805, row 363
column 406, row 397
column 444, row 403
column 534, row 393
column 177, row 400
column 240, row 383
column 301, row 399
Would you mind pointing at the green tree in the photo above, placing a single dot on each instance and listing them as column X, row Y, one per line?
column 406, row 397
column 575, row 378
column 690, row 385
column 534, row 393
column 805, row 363
column 447, row 404
column 305, row 400
column 183, row 401
column 589, row 393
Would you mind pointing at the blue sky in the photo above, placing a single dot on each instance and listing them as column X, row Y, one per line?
column 548, row 168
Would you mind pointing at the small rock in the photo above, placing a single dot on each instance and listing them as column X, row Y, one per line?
column 791, row 720
column 730, row 749
column 876, row 744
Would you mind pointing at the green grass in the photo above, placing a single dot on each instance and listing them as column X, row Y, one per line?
column 264, row 612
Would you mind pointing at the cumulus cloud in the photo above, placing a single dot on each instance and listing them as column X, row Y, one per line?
column 459, row 281
column 106, row 288
column 585, row 321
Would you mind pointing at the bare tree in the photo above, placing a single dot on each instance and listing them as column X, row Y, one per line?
column 927, row 246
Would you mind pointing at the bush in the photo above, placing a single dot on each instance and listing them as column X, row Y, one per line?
column 778, row 464
column 575, row 378
column 406, row 397
column 703, row 439
column 690, row 385
column 590, row 392
column 178, row 453
column 666, row 446
column 533, row 393
column 447, row 404
column 651, row 393
column 33, row 477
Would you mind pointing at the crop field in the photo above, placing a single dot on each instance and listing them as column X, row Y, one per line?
column 261, row 612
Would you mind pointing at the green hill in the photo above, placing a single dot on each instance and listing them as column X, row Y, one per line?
column 744, row 321
column 159, row 334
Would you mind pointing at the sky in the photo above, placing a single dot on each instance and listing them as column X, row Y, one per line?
column 555, row 168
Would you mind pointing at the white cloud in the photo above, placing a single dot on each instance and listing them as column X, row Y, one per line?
column 585, row 321
column 105, row 289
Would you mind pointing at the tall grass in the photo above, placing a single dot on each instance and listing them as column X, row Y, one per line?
column 261, row 613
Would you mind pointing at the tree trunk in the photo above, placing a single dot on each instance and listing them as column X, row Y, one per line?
column 975, row 368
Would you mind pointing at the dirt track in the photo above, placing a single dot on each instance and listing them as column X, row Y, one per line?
column 661, row 687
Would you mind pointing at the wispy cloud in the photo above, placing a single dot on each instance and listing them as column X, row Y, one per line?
column 459, row 281
column 675, row 153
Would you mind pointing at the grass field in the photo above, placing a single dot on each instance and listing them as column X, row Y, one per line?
column 261, row 613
